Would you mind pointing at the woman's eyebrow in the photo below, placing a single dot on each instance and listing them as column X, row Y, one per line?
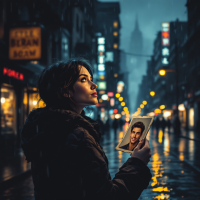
column 84, row 75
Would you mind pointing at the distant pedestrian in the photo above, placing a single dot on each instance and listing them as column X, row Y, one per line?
column 115, row 125
column 163, row 124
column 100, row 122
column 168, row 124
column 157, row 124
column 107, row 125
column 177, row 125
column 121, row 123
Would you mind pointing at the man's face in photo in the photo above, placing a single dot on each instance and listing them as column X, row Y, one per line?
column 135, row 135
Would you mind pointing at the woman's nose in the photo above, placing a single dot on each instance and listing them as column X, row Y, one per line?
column 94, row 86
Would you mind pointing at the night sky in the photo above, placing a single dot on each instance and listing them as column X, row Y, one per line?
column 150, row 13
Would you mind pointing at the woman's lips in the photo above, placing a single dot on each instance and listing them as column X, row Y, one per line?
column 94, row 95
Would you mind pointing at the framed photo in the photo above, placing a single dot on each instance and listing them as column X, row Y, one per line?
column 137, row 130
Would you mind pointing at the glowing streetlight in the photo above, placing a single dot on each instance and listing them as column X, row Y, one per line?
column 144, row 102
column 162, row 72
column 141, row 106
column 152, row 93
column 122, row 103
column 120, row 98
column 162, row 107
column 117, row 95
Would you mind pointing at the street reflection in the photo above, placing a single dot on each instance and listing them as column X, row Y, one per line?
column 160, row 136
column 182, row 145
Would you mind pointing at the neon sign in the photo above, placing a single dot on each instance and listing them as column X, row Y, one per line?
column 13, row 73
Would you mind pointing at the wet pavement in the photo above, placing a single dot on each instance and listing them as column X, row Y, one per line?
column 174, row 166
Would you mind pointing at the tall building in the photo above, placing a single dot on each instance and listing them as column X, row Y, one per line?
column 135, row 62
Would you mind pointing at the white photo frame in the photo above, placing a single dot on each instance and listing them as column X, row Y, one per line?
column 146, row 120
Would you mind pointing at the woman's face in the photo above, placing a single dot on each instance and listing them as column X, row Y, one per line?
column 84, row 89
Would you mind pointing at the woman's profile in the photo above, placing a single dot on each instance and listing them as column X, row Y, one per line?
column 63, row 145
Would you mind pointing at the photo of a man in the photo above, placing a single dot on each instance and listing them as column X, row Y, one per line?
column 135, row 134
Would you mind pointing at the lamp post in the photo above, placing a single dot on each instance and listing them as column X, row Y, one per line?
column 163, row 72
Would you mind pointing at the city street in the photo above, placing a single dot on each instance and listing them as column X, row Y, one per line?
column 174, row 167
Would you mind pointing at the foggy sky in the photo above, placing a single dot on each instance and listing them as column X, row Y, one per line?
column 151, row 13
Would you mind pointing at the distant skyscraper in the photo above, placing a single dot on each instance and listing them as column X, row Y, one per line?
column 135, row 63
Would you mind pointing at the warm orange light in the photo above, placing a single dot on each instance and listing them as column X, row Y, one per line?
column 115, row 46
column 115, row 75
column 115, row 24
column 157, row 110
column 162, row 72
column 115, row 33
column 101, row 53
column 162, row 107
column 100, row 100
column 165, row 34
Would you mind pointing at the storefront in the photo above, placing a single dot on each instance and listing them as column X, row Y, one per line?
column 18, row 94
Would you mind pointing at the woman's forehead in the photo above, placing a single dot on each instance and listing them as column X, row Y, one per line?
column 83, row 70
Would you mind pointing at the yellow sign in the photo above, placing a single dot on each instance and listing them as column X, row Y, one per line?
column 25, row 43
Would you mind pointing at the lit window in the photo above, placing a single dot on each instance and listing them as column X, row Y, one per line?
column 165, row 41
column 101, row 40
column 109, row 56
column 115, row 24
column 165, row 52
column 101, row 67
column 115, row 33
column 165, row 61
column 101, row 48
column 101, row 59
column 115, row 46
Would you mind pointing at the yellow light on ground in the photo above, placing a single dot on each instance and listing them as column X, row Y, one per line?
column 120, row 98
column 122, row 103
column 100, row 100
column 115, row 75
column 139, row 109
column 144, row 102
column 141, row 106
column 117, row 95
column 162, row 107
column 152, row 93
column 162, row 72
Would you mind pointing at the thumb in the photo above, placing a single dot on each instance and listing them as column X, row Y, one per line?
column 140, row 144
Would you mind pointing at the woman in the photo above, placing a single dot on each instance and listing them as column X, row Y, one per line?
column 62, row 144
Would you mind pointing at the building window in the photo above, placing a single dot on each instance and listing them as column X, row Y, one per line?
column 115, row 24
column 8, row 110
column 115, row 46
column 115, row 33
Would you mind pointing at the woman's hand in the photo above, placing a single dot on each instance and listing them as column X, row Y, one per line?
column 144, row 153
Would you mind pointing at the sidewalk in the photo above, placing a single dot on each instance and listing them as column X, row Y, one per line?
column 185, row 147
column 13, row 168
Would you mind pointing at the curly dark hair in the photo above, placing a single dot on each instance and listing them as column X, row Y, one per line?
column 58, row 79
column 138, row 125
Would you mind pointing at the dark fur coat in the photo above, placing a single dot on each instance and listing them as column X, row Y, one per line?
column 69, row 163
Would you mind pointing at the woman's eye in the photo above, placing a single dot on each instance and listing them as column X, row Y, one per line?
column 83, row 79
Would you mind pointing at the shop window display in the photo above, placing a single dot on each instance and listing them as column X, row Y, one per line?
column 31, row 98
column 8, row 110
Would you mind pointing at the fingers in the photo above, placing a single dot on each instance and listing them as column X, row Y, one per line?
column 139, row 144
